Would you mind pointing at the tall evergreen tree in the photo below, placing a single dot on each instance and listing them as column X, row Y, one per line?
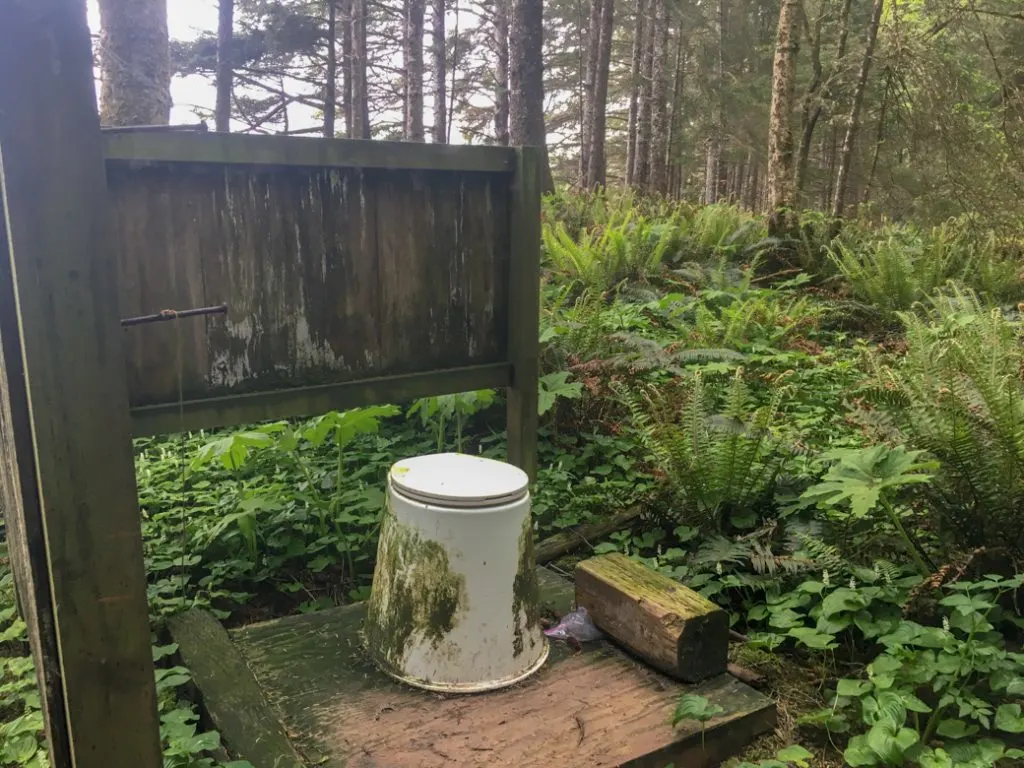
column 135, row 64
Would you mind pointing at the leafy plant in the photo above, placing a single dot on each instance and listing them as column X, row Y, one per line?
column 867, row 479
column 957, row 393
column 553, row 386
column 690, row 706
column 719, row 466
column 438, row 412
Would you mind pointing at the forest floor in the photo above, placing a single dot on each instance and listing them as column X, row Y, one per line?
column 831, row 448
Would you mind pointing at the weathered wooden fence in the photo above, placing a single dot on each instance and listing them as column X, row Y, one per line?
column 353, row 272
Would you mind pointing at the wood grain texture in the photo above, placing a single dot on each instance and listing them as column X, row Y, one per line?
column 231, row 696
column 598, row 708
column 244, row 149
column 668, row 625
column 330, row 275
column 26, row 542
column 524, row 310
column 74, row 465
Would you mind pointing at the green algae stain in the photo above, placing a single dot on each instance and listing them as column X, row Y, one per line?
column 525, row 592
column 415, row 596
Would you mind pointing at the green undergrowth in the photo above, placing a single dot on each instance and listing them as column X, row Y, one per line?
column 825, row 436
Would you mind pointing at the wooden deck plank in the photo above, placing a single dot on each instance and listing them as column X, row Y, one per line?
column 598, row 708
column 232, row 698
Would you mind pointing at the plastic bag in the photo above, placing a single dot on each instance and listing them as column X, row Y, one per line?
column 575, row 625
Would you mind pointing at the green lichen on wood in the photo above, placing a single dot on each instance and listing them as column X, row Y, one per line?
column 416, row 594
column 525, row 592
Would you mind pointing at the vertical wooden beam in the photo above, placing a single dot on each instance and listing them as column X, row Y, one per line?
column 524, row 309
column 26, row 543
column 65, row 416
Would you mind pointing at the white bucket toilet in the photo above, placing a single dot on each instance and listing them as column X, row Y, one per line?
column 454, row 604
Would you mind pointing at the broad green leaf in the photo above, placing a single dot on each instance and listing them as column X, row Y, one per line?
column 794, row 754
column 937, row 759
column 912, row 703
column 858, row 753
column 553, row 386
column 19, row 749
column 1008, row 718
column 852, row 688
column 693, row 707
column 843, row 599
column 812, row 638
column 954, row 729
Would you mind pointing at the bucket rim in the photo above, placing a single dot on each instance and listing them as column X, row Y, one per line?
column 458, row 481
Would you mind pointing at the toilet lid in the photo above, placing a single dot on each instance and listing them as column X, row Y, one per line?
column 459, row 480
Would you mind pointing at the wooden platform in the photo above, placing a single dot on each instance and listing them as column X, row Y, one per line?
column 300, row 691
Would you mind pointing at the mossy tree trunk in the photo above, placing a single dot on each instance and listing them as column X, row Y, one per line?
column 135, row 62
column 781, row 172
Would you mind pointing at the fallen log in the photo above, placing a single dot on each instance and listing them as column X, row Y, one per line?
column 748, row 676
column 568, row 541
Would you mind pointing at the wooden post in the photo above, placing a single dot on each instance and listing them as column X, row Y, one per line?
column 65, row 442
column 524, row 310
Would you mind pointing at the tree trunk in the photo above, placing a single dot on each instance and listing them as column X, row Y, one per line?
column 454, row 68
column 360, row 92
column 675, row 121
column 659, row 100
column 642, row 164
column 135, row 62
column 440, row 132
column 781, row 173
column 749, row 182
column 526, row 80
column 413, row 63
column 636, row 84
column 846, row 156
column 225, row 69
column 879, row 140
column 345, row 14
column 713, row 147
column 814, row 104
column 596, row 168
column 501, row 72
column 588, row 103
column 331, row 80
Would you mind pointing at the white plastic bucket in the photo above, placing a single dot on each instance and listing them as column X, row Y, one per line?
column 454, row 604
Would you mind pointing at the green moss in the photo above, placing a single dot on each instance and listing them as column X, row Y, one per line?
column 525, row 592
column 416, row 595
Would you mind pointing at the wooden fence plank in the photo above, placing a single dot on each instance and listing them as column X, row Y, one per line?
column 524, row 310
column 308, row 401
column 62, row 276
column 292, row 150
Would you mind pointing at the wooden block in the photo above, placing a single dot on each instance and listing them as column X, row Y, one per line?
column 671, row 627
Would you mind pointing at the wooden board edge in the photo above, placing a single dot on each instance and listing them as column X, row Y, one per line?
column 721, row 739
column 248, row 149
column 231, row 696
column 231, row 410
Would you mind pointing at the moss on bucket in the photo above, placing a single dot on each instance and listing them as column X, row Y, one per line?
column 525, row 592
column 416, row 594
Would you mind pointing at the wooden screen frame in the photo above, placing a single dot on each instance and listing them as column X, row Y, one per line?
column 65, row 427
column 520, row 168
